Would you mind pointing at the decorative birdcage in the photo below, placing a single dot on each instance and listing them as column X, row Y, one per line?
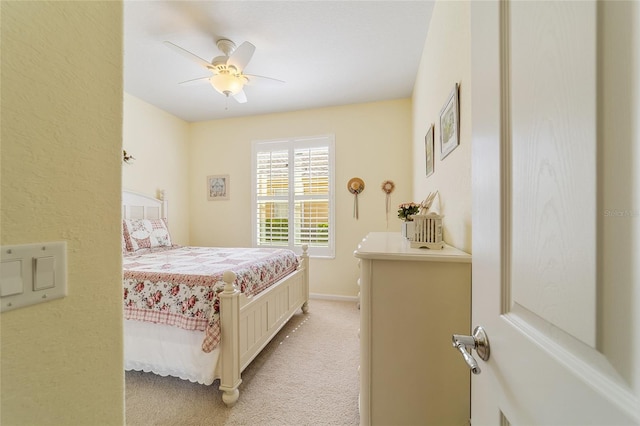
column 427, row 231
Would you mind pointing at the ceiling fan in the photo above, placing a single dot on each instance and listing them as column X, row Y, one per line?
column 228, row 77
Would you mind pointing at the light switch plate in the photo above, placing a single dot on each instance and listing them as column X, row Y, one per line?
column 32, row 273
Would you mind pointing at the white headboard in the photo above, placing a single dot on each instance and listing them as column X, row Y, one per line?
column 140, row 206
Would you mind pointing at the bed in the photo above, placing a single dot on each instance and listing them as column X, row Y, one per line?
column 197, row 313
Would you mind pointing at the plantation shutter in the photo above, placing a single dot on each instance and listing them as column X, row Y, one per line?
column 272, row 186
column 311, row 182
column 293, row 196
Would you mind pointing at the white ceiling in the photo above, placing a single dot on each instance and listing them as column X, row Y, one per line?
column 328, row 52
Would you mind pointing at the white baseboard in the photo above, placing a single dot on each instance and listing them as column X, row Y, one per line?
column 333, row 297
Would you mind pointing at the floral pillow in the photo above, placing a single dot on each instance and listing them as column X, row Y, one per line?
column 145, row 233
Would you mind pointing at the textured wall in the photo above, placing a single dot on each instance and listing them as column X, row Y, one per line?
column 372, row 141
column 61, row 361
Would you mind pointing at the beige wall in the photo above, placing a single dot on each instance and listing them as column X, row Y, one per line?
column 159, row 143
column 445, row 61
column 61, row 361
column 373, row 142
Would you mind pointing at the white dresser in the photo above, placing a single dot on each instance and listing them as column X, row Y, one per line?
column 411, row 302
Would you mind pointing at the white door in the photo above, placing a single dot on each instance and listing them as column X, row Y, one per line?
column 556, row 211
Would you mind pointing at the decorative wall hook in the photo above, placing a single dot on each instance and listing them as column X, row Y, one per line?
column 127, row 157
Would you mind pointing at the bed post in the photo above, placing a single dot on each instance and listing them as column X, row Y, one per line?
column 230, row 340
column 162, row 196
column 305, row 274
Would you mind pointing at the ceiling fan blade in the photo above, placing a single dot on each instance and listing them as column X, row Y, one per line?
column 241, row 97
column 195, row 81
column 259, row 79
column 241, row 56
column 195, row 58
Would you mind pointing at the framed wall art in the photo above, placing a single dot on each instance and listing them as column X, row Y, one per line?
column 218, row 187
column 450, row 124
column 428, row 150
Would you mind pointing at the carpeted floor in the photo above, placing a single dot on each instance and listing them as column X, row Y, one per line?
column 307, row 375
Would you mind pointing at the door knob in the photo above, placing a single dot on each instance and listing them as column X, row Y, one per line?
column 465, row 344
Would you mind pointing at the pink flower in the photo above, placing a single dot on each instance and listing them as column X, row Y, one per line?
column 192, row 301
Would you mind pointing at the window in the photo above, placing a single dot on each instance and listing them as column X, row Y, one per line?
column 293, row 201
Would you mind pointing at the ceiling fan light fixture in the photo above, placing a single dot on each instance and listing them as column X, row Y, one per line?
column 227, row 84
column 228, row 78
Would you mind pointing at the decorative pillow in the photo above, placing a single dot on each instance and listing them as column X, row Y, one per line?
column 145, row 233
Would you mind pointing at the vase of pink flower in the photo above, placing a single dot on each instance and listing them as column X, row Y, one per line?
column 405, row 211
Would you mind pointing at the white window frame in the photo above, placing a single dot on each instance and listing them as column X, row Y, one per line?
column 291, row 144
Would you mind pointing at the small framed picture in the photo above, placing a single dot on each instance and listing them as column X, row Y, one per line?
column 218, row 187
column 428, row 150
column 450, row 124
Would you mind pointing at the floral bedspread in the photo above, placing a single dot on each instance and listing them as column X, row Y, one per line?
column 179, row 285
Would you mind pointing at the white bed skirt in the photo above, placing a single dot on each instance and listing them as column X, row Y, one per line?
column 168, row 351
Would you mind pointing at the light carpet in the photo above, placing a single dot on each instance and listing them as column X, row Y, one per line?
column 307, row 375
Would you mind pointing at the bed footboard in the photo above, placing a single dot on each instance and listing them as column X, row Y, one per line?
column 249, row 324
